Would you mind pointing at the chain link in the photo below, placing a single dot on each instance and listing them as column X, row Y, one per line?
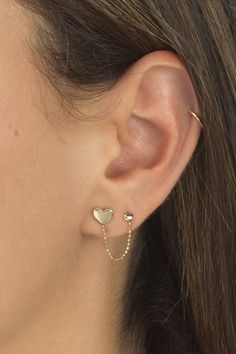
column 127, row 247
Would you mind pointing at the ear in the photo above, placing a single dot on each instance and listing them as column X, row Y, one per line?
column 154, row 141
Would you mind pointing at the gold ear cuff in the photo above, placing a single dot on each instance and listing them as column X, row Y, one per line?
column 196, row 117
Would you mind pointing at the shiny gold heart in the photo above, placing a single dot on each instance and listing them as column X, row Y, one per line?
column 102, row 216
column 128, row 217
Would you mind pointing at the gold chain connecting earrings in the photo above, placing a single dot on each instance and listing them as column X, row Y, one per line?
column 103, row 217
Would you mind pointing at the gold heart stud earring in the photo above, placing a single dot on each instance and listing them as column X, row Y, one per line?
column 103, row 217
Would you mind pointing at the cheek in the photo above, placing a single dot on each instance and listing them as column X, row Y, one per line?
column 43, row 186
column 41, row 200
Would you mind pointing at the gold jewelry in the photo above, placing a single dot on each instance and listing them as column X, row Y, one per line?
column 195, row 116
column 103, row 217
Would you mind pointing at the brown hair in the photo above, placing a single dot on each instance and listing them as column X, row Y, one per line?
column 181, row 290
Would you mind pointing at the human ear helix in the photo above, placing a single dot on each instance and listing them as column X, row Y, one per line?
column 103, row 217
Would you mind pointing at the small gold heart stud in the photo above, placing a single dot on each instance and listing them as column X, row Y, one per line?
column 128, row 217
column 103, row 216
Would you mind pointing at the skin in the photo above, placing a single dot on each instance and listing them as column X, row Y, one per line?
column 59, row 289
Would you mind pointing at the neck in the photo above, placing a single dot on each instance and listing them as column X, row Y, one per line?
column 81, row 314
